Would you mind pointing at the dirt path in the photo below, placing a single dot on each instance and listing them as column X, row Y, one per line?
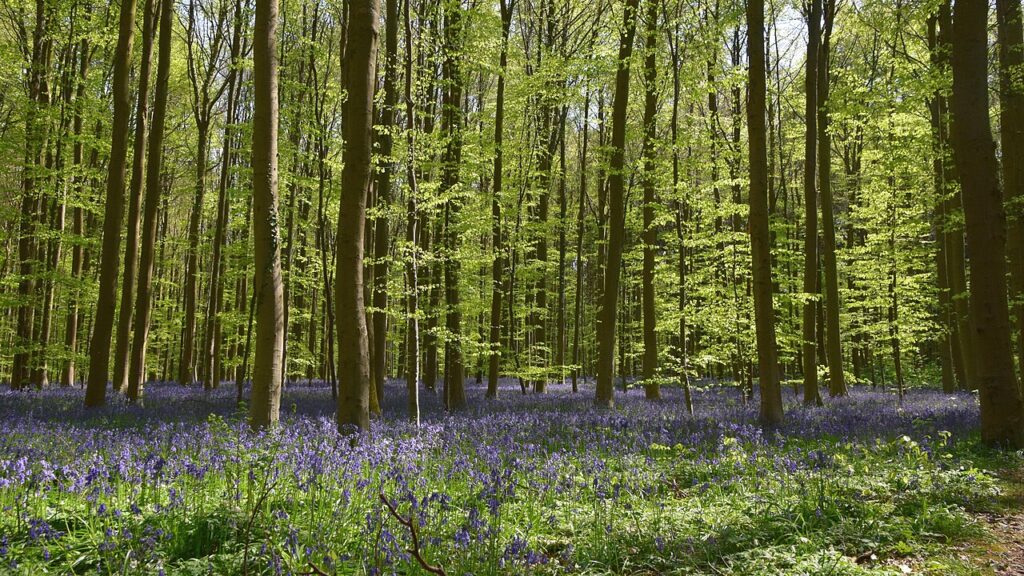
column 1004, row 555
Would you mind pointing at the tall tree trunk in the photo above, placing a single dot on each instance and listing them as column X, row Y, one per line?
column 353, row 344
column 498, row 265
column 154, row 186
column 681, row 213
column 1002, row 410
column 562, row 213
column 1011, row 139
column 131, row 247
column 617, row 211
column 78, row 219
column 946, row 326
column 833, row 344
column 265, row 402
column 99, row 346
column 382, row 236
column 577, row 359
column 810, row 286
column 451, row 124
column 412, row 375
column 36, row 127
column 652, row 390
column 760, row 237
column 187, row 362
column 954, row 239
column 211, row 349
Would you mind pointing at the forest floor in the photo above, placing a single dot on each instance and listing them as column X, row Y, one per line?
column 1002, row 550
column 526, row 484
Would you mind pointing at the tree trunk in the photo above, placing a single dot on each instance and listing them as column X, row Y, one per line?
column 131, row 247
column 211, row 348
column 1011, row 139
column 451, row 126
column 833, row 340
column 577, row 360
column 106, row 301
column 382, row 237
column 353, row 344
column 617, row 212
column 945, row 318
column 1002, row 410
column 147, row 243
column 497, row 266
column 412, row 375
column 265, row 401
column 186, row 365
column 652, row 390
column 78, row 219
column 954, row 238
column 760, row 237
column 810, row 285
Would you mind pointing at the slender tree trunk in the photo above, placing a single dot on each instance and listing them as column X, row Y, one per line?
column 833, row 344
column 187, row 363
column 147, row 243
column 498, row 265
column 451, row 121
column 652, row 390
column 810, row 285
column 617, row 212
column 577, row 359
column 78, row 218
column 211, row 348
column 106, row 301
column 131, row 247
column 382, row 237
column 1002, row 410
column 265, row 403
column 412, row 375
column 353, row 349
column 681, row 212
column 955, row 249
column 946, row 326
column 1011, row 140
column 562, row 214
column 31, row 199
column 760, row 237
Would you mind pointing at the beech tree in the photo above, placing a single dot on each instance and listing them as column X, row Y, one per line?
column 265, row 403
column 1002, row 409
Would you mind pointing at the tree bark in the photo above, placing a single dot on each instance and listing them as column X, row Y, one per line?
column 498, row 265
column 833, row 340
column 265, row 402
column 131, row 248
column 211, row 349
column 1002, row 410
column 106, row 301
column 810, row 284
column 652, row 390
column 617, row 212
column 78, row 222
column 382, row 236
column 451, row 158
column 954, row 230
column 760, row 237
column 353, row 343
column 154, row 187
column 1011, row 137
column 412, row 375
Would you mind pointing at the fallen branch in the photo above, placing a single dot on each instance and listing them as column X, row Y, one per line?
column 415, row 550
column 314, row 570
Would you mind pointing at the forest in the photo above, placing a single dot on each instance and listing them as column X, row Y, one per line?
column 511, row 287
